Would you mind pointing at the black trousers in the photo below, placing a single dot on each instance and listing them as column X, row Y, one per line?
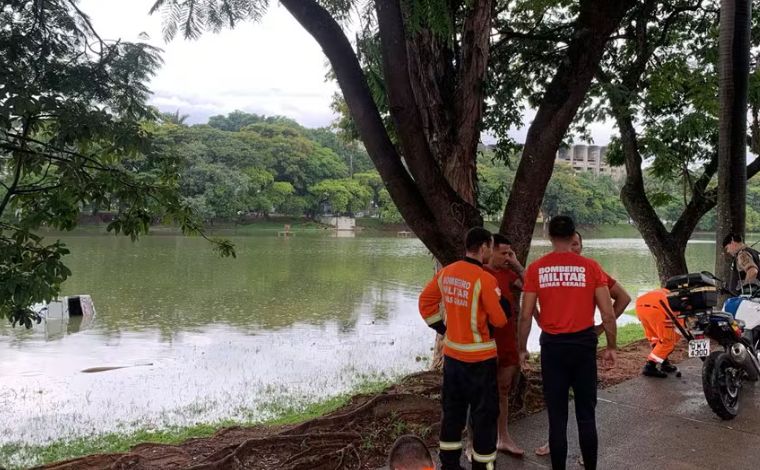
column 569, row 361
column 472, row 385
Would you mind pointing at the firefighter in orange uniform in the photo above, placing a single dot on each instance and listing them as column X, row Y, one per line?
column 471, row 298
column 659, row 330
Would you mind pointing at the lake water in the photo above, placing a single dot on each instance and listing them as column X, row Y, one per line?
column 289, row 322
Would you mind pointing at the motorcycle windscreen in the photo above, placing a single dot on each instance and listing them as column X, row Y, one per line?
column 745, row 310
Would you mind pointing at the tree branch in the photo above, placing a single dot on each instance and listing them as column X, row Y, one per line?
column 96, row 166
column 506, row 36
column 699, row 204
column 36, row 190
column 19, row 164
column 469, row 97
column 86, row 20
column 753, row 168
column 597, row 20
column 12, row 188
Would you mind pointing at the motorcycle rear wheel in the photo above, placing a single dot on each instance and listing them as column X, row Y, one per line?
column 721, row 382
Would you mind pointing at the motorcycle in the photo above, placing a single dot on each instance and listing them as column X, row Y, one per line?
column 736, row 328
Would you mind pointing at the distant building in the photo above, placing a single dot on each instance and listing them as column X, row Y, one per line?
column 590, row 158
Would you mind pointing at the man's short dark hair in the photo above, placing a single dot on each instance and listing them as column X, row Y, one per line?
column 409, row 452
column 476, row 237
column 562, row 227
column 732, row 237
column 499, row 239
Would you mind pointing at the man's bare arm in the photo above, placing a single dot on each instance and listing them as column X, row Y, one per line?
column 516, row 266
column 620, row 299
column 747, row 264
column 526, row 319
column 604, row 302
column 751, row 275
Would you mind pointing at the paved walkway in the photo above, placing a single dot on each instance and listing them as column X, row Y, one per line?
column 662, row 424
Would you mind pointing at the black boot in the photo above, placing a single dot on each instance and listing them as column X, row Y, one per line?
column 651, row 370
column 668, row 367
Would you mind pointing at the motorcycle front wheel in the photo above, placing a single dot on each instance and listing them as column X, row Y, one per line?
column 721, row 381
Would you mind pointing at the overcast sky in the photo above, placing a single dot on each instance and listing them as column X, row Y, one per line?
column 273, row 67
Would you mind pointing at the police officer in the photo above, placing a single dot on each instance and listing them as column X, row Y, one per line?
column 471, row 298
column 568, row 287
column 744, row 269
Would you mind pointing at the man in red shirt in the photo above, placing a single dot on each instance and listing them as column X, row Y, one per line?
column 568, row 287
column 620, row 297
column 507, row 270
column 620, row 300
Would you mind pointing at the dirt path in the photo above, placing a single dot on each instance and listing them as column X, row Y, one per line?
column 356, row 436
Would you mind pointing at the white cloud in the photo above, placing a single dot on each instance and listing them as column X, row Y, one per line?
column 271, row 67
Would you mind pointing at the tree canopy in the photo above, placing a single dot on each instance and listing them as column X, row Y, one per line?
column 244, row 163
column 659, row 83
column 75, row 130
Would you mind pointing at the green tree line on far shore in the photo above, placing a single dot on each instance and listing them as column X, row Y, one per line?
column 242, row 165
column 247, row 165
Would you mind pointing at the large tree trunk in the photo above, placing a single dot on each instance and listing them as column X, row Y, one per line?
column 670, row 255
column 432, row 207
column 436, row 102
column 564, row 94
column 449, row 110
column 733, row 78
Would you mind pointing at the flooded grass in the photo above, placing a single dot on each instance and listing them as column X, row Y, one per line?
column 286, row 331
column 20, row 456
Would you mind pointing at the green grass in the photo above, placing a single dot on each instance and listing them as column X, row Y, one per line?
column 18, row 456
column 626, row 335
column 297, row 224
column 375, row 224
column 26, row 455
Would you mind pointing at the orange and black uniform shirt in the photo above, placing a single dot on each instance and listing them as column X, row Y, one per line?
column 470, row 297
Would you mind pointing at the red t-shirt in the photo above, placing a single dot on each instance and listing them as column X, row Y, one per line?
column 506, row 337
column 505, row 278
column 565, row 284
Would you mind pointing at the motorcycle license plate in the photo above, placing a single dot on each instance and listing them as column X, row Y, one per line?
column 699, row 348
